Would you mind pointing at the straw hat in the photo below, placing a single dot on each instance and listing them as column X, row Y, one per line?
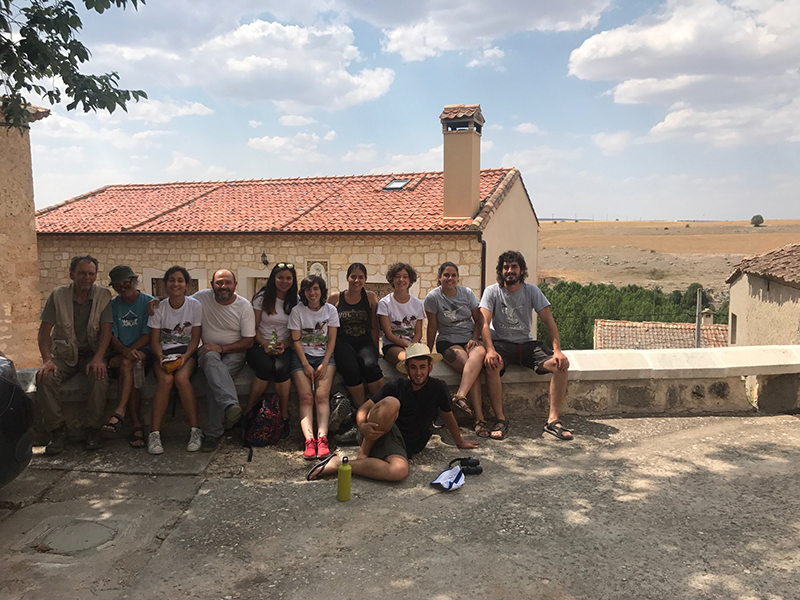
column 418, row 351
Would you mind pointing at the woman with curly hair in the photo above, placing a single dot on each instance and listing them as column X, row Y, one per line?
column 400, row 314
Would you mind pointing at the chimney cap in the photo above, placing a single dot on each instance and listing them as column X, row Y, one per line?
column 462, row 111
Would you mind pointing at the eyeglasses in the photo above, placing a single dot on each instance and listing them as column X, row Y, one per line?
column 285, row 266
column 125, row 283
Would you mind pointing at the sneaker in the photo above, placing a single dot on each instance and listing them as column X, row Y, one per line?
column 58, row 439
column 341, row 409
column 438, row 423
column 154, row 443
column 286, row 429
column 322, row 447
column 195, row 440
column 210, row 443
column 310, row 453
column 348, row 438
column 232, row 415
column 94, row 439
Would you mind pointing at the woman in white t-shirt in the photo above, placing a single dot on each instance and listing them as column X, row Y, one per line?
column 175, row 331
column 270, row 356
column 400, row 314
column 313, row 325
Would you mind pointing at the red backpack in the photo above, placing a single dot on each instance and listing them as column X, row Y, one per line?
column 263, row 423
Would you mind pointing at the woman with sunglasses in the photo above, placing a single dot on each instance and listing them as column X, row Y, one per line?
column 454, row 315
column 313, row 325
column 270, row 356
column 357, row 340
column 400, row 314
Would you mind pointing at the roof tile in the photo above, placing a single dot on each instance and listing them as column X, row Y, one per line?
column 781, row 264
column 651, row 335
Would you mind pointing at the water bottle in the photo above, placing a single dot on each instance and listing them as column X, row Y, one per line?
column 138, row 375
column 343, row 482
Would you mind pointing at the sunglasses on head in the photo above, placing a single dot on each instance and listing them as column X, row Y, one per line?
column 285, row 266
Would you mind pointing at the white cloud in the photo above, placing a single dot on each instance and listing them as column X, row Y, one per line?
column 486, row 145
column 296, row 120
column 611, row 143
column 189, row 168
column 255, row 124
column 301, row 146
column 432, row 160
column 527, row 128
column 364, row 153
column 68, row 154
column 57, row 126
column 540, row 160
column 329, row 136
column 489, row 57
column 155, row 111
column 725, row 70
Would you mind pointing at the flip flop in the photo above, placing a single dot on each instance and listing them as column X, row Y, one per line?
column 557, row 429
column 116, row 427
column 500, row 427
column 482, row 430
column 137, row 438
column 318, row 467
column 461, row 403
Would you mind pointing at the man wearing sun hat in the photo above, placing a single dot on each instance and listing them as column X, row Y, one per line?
column 395, row 423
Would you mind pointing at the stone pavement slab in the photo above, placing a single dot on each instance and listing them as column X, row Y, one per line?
column 28, row 487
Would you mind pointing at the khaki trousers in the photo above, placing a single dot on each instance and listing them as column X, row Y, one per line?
column 48, row 394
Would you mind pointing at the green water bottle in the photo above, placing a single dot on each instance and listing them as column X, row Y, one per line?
column 343, row 482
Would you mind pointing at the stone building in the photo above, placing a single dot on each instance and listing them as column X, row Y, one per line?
column 19, row 273
column 765, row 299
column 321, row 224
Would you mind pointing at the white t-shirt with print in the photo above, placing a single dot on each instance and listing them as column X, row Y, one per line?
column 272, row 327
column 402, row 316
column 176, row 324
column 313, row 326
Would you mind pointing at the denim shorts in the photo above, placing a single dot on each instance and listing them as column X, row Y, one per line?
column 314, row 361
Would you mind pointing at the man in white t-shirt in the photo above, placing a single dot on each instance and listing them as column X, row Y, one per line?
column 507, row 307
column 229, row 328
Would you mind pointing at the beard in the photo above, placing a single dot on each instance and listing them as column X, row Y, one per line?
column 511, row 279
column 222, row 295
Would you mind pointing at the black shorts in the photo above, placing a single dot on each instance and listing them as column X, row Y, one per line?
column 391, row 442
column 442, row 346
column 528, row 354
column 113, row 372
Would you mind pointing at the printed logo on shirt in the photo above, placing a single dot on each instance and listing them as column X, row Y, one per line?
column 316, row 337
column 180, row 334
column 405, row 329
column 130, row 319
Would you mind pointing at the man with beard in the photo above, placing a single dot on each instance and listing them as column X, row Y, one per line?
column 229, row 328
column 396, row 422
column 507, row 313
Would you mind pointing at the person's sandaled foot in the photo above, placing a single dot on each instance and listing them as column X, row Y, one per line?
column 137, row 438
column 461, row 403
column 115, row 424
column 324, row 468
column 482, row 429
column 557, row 429
column 500, row 430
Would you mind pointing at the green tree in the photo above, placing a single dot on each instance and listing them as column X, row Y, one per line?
column 39, row 52
column 756, row 221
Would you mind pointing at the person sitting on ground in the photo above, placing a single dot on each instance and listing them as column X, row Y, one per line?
column 357, row 339
column 313, row 325
column 507, row 308
column 400, row 314
column 175, row 329
column 270, row 356
column 130, row 344
column 453, row 312
column 73, row 338
column 395, row 423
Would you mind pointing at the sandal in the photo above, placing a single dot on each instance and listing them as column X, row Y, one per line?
column 137, row 438
column 500, row 428
column 481, row 429
column 461, row 403
column 557, row 429
column 114, row 427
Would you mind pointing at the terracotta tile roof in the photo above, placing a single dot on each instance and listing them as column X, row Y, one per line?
column 314, row 204
column 782, row 265
column 649, row 335
column 461, row 111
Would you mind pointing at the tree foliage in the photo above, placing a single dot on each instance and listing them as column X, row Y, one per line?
column 756, row 221
column 39, row 54
column 575, row 308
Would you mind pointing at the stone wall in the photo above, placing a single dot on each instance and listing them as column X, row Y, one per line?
column 19, row 285
column 763, row 312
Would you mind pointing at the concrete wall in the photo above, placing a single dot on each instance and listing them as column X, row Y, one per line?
column 764, row 312
column 19, row 285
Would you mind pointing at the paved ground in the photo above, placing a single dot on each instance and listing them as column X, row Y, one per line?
column 699, row 507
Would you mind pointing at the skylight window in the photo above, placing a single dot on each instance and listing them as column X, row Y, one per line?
column 396, row 184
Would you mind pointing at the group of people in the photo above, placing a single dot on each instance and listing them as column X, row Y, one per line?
column 296, row 333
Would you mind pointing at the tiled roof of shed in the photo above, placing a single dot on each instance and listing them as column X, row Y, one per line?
column 650, row 335
column 462, row 111
column 782, row 264
column 314, row 204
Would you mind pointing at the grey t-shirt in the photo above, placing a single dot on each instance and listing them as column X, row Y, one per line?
column 453, row 313
column 511, row 313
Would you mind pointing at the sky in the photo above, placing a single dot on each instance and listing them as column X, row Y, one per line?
column 627, row 109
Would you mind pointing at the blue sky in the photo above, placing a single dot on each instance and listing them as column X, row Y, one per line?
column 685, row 109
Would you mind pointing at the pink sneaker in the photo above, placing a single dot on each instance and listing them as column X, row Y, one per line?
column 322, row 447
column 310, row 452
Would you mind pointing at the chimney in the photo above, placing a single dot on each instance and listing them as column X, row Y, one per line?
column 707, row 317
column 461, row 128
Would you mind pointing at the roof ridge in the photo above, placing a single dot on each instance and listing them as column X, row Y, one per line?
column 172, row 209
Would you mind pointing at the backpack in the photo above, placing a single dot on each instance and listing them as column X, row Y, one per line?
column 263, row 423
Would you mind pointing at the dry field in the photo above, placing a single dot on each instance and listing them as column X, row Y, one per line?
column 666, row 254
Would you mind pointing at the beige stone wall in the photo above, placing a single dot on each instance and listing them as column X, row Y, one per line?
column 19, row 298
column 767, row 313
column 150, row 255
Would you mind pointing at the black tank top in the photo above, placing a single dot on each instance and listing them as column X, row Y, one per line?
column 354, row 319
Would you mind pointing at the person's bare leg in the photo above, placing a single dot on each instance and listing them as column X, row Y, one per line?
column 257, row 389
column 494, row 387
column 186, row 391
column 306, row 401
column 125, row 388
column 394, row 355
column 383, row 414
column 470, row 365
column 558, row 391
column 322, row 402
column 134, row 408
column 357, row 393
column 375, row 386
column 393, row 468
column 161, row 398
column 283, row 389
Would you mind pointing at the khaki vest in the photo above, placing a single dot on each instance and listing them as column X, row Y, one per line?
column 65, row 342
